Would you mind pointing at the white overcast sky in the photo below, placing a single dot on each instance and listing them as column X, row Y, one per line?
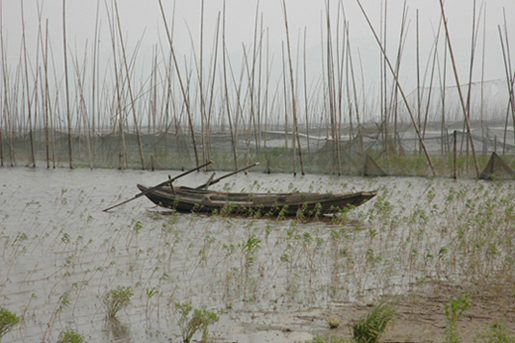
column 142, row 20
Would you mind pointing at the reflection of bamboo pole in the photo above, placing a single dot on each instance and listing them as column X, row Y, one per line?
column 294, row 107
column 459, row 88
column 186, row 101
column 400, row 89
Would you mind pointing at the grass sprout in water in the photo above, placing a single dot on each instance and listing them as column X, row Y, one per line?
column 7, row 321
column 190, row 322
column 116, row 299
column 370, row 327
column 70, row 336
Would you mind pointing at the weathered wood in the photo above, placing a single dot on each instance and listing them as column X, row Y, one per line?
column 189, row 200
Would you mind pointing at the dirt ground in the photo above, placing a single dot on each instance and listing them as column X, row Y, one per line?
column 418, row 319
column 422, row 319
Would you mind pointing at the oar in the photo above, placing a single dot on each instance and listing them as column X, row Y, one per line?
column 225, row 176
column 169, row 181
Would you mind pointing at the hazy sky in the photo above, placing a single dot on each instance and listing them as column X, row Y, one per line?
column 142, row 22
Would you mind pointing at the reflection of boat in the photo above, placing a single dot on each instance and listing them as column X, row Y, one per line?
column 185, row 199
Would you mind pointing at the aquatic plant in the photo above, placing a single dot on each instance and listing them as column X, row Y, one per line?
column 328, row 339
column 369, row 327
column 70, row 336
column 7, row 321
column 189, row 323
column 333, row 322
column 498, row 332
column 453, row 311
column 116, row 299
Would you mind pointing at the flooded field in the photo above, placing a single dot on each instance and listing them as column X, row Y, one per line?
column 268, row 280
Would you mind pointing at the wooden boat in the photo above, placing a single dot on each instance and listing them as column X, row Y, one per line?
column 185, row 199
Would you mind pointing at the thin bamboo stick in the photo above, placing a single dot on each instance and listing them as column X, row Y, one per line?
column 459, row 88
column 119, row 111
column 129, row 86
column 68, row 117
column 226, row 87
column 508, row 69
column 331, row 89
column 29, row 102
column 294, row 106
column 186, row 102
column 400, row 88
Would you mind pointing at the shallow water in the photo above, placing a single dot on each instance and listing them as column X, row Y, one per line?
column 268, row 280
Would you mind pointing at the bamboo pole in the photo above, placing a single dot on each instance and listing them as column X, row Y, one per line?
column 459, row 88
column 29, row 102
column 47, row 98
column 67, row 89
column 418, row 84
column 483, row 85
column 306, row 111
column 228, row 106
column 83, row 111
column 331, row 89
column 119, row 111
column 471, row 68
column 294, row 106
column 508, row 72
column 6, row 112
column 186, row 101
column 356, row 106
column 213, row 70
column 455, row 165
column 203, row 121
column 136, row 126
column 94, row 73
column 400, row 88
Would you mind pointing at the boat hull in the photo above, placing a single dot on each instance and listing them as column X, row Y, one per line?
column 185, row 199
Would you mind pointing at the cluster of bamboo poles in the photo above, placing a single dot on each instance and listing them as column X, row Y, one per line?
column 204, row 95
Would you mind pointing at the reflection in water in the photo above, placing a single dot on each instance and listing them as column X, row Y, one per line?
column 113, row 330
